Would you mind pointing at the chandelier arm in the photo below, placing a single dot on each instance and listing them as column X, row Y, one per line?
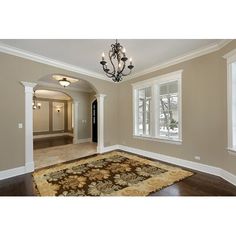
column 110, row 57
column 108, row 74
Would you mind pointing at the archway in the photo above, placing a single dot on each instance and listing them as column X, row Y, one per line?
column 29, row 161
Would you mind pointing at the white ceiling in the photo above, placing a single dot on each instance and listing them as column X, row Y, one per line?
column 41, row 93
column 86, row 53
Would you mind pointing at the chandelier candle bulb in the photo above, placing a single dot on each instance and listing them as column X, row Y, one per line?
column 130, row 61
column 103, row 56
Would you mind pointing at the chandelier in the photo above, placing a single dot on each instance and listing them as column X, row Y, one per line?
column 117, row 58
column 35, row 104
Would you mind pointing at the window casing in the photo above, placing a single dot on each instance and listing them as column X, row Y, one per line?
column 157, row 108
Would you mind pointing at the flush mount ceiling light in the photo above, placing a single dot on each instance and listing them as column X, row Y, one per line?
column 64, row 80
column 117, row 57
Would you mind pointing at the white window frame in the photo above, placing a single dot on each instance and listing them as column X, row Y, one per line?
column 231, row 58
column 154, row 83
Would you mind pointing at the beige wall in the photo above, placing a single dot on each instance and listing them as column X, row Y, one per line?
column 41, row 118
column 204, row 112
column 58, row 118
column 15, row 69
column 204, row 109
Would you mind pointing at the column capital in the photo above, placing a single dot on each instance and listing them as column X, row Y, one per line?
column 100, row 96
column 29, row 86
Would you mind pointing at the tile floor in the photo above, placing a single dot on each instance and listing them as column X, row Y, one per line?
column 54, row 155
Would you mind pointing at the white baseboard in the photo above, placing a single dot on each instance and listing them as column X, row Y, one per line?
column 84, row 140
column 29, row 167
column 177, row 161
column 110, row 148
column 5, row 174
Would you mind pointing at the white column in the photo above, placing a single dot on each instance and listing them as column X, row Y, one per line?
column 29, row 158
column 100, row 101
column 76, row 121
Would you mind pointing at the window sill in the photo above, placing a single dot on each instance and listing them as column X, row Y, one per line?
column 161, row 140
column 232, row 151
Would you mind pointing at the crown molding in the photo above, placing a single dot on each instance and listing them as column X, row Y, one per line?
column 48, row 61
column 45, row 60
column 188, row 56
column 50, row 85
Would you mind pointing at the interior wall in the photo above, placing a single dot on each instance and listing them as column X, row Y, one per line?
column 41, row 122
column 204, row 112
column 48, row 120
column 15, row 69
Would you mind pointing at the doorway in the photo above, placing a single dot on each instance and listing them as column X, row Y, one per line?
column 94, row 121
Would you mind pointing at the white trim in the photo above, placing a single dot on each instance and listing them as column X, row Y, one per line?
column 232, row 151
column 76, row 121
column 52, row 135
column 168, row 159
column 45, row 60
column 186, row 57
column 100, row 102
column 154, row 83
column 179, row 162
column 5, row 174
column 110, row 148
column 29, row 159
column 228, row 176
column 161, row 140
column 29, row 167
column 84, row 140
column 48, row 61
column 160, row 78
column 231, row 58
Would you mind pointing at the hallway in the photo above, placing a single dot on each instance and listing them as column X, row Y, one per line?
column 54, row 155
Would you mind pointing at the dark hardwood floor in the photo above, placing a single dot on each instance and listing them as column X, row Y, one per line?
column 200, row 184
column 52, row 141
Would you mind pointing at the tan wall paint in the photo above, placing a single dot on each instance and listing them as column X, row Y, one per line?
column 204, row 112
column 41, row 118
column 15, row 69
column 204, row 109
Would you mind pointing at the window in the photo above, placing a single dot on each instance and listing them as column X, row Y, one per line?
column 231, row 84
column 157, row 107
column 144, row 99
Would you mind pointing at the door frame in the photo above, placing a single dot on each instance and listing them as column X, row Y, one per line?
column 91, row 116
column 29, row 158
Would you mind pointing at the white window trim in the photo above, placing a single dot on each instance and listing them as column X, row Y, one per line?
column 231, row 58
column 177, row 75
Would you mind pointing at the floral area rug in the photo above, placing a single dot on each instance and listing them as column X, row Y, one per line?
column 112, row 174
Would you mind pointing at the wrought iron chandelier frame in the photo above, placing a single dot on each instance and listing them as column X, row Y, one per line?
column 117, row 53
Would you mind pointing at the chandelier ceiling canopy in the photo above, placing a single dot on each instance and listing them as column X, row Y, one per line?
column 117, row 60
